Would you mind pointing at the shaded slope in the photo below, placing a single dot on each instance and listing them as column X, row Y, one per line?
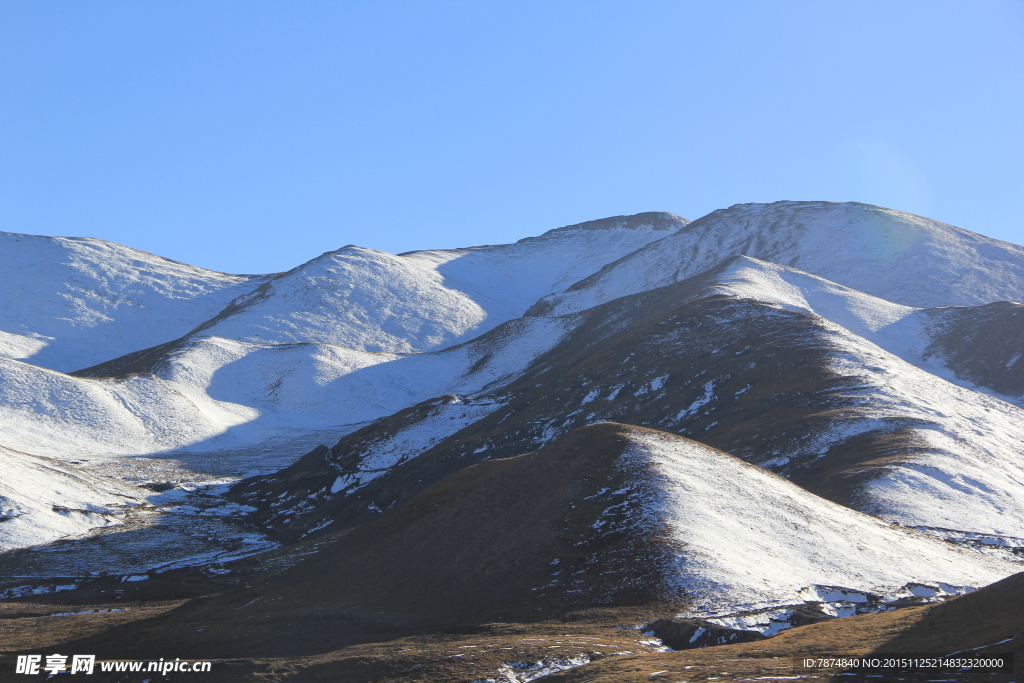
column 211, row 386
column 900, row 257
column 982, row 344
column 608, row 516
column 69, row 302
column 979, row 346
column 45, row 412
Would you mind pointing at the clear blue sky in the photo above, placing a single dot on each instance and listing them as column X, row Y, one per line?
column 251, row 136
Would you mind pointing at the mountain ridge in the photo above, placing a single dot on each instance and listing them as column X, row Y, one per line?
column 615, row 432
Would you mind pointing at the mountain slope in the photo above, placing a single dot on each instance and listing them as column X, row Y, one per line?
column 775, row 415
column 785, row 389
column 900, row 257
column 975, row 346
column 216, row 394
column 70, row 302
column 213, row 392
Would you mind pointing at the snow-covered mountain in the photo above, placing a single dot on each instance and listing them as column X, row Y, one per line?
column 808, row 396
column 284, row 351
column 735, row 358
column 214, row 393
column 897, row 256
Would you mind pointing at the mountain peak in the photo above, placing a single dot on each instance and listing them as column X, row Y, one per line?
column 656, row 220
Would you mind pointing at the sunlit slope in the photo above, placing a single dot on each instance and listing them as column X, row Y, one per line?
column 70, row 302
column 748, row 537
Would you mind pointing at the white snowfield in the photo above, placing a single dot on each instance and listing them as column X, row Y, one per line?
column 356, row 335
column 967, row 471
column 750, row 539
column 70, row 302
column 67, row 303
column 897, row 256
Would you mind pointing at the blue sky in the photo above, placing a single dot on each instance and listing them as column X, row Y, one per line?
column 252, row 136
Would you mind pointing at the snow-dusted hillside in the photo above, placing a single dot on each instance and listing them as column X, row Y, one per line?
column 913, row 334
column 774, row 415
column 897, row 256
column 612, row 514
column 70, row 302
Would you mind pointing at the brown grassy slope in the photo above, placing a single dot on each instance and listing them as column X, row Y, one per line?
column 509, row 539
column 989, row 615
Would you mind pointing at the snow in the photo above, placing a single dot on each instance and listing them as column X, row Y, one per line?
column 749, row 539
column 767, row 622
column 709, row 395
column 325, row 345
column 443, row 421
column 901, row 330
column 523, row 672
column 214, row 394
column 356, row 334
column 69, row 303
column 865, row 315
